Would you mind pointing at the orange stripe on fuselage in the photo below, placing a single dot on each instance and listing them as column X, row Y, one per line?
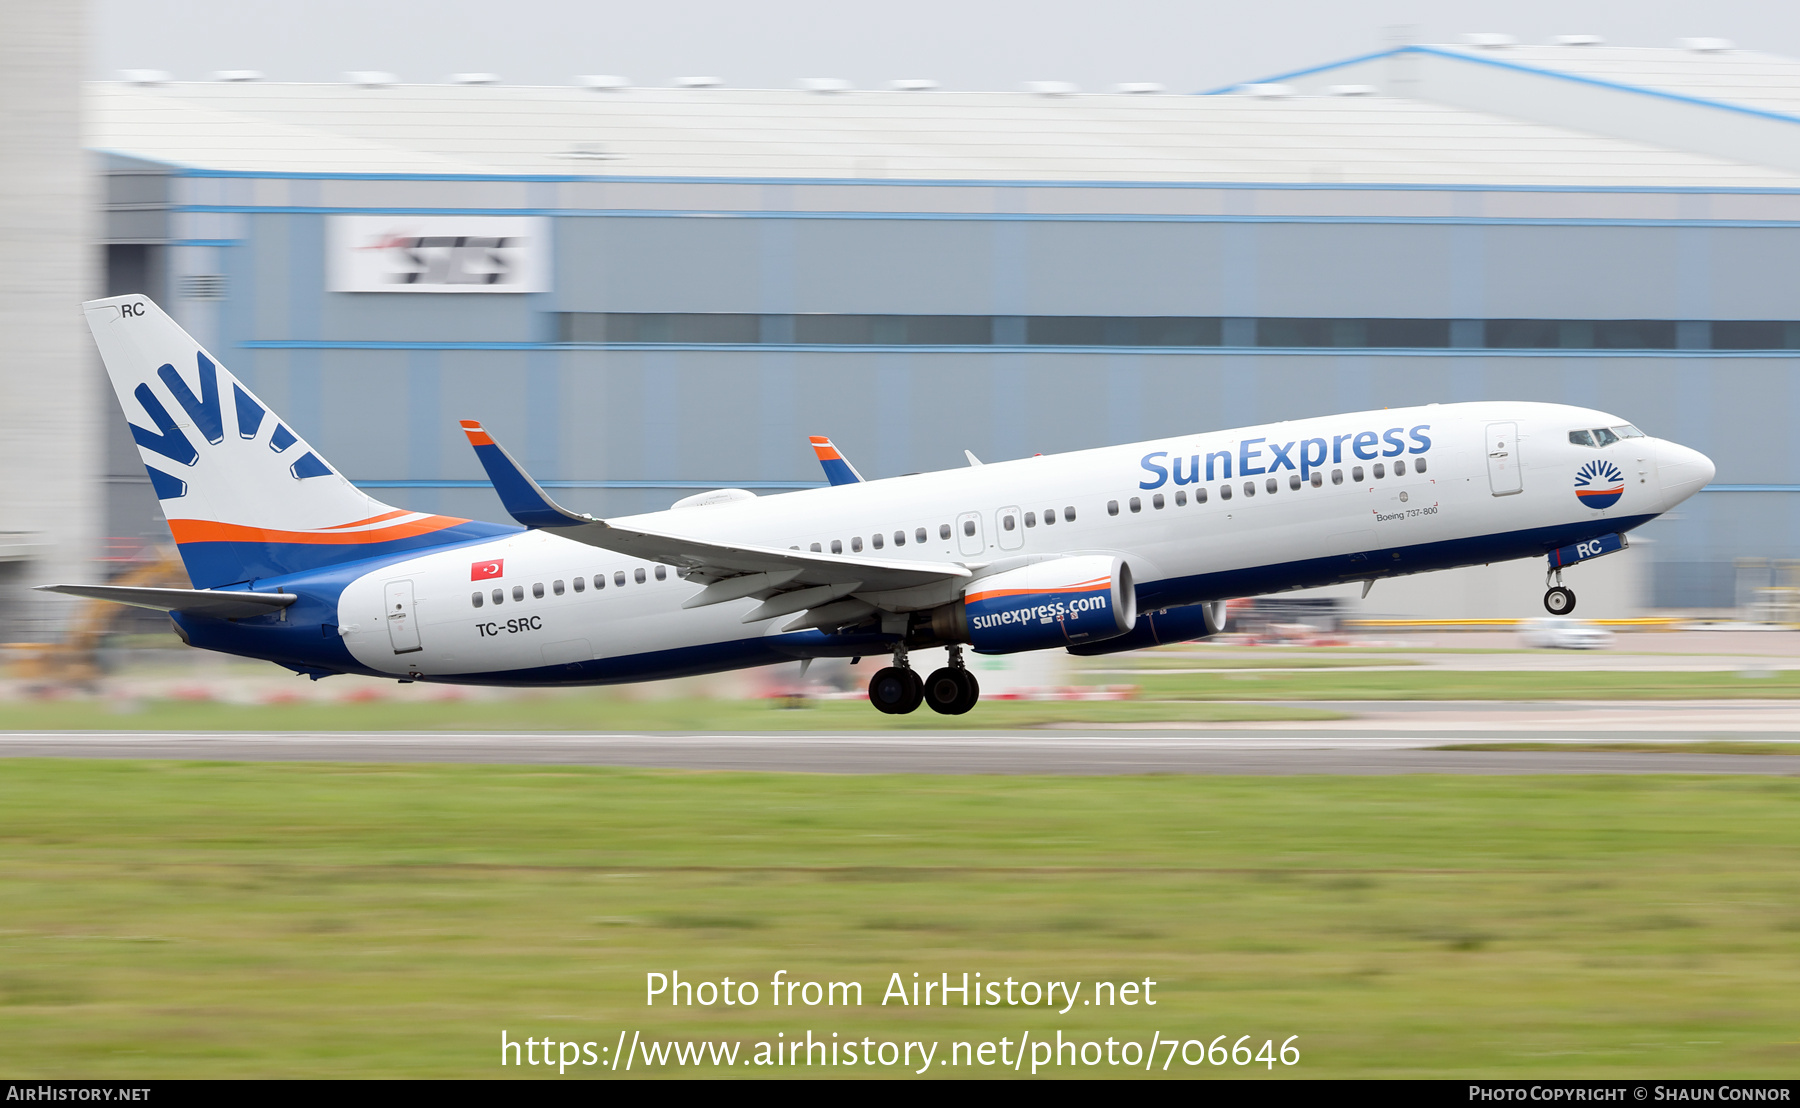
column 1085, row 586
column 201, row 530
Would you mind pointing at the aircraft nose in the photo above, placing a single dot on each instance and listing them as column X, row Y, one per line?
column 1684, row 472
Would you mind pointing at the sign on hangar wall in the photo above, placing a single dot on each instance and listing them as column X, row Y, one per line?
column 437, row 253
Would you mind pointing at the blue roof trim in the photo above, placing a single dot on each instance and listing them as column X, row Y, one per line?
column 1538, row 71
column 990, row 348
column 1010, row 217
column 932, row 182
column 1224, row 90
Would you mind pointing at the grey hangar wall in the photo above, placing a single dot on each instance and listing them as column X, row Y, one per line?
column 377, row 381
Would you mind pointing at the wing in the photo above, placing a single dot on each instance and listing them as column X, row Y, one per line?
column 838, row 469
column 788, row 580
column 200, row 602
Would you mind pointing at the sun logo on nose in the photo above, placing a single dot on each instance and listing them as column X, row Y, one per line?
column 1599, row 484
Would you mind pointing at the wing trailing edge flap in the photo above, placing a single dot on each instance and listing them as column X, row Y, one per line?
column 199, row 602
column 734, row 570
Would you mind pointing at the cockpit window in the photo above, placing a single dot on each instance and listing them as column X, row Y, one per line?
column 1581, row 438
column 1604, row 437
column 1627, row 431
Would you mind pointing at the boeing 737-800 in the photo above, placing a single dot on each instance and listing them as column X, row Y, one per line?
column 1093, row 551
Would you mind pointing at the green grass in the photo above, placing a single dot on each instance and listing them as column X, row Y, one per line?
column 1274, row 661
column 211, row 920
column 1436, row 684
column 1711, row 746
column 601, row 712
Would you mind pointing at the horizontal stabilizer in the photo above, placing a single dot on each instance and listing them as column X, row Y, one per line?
column 199, row 602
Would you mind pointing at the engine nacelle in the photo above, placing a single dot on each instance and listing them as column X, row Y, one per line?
column 1060, row 602
column 1167, row 625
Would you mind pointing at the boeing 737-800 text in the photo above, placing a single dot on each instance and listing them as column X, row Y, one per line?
column 1093, row 551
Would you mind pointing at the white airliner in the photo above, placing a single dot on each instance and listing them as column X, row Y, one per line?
column 1093, row 551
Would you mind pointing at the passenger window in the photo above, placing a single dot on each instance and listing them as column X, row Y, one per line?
column 537, row 590
column 1399, row 467
column 1200, row 495
column 817, row 549
column 899, row 538
column 837, row 546
column 1249, row 488
column 1112, row 507
column 1157, row 501
column 1380, row 471
column 556, row 587
column 580, row 584
column 1337, row 476
column 1356, row 474
column 919, row 534
column 943, row 530
column 1581, row 438
column 619, row 578
column 662, row 573
column 599, row 581
column 499, row 596
column 1604, row 437
column 1271, row 484
column 1224, row 492
column 1008, row 523
column 856, row 544
column 876, row 539
column 638, row 575
column 1318, row 479
column 476, row 599
column 1180, row 498
column 1069, row 514
column 1136, row 505
column 1049, row 516
column 1419, row 466
column 518, row 592
column 1031, row 519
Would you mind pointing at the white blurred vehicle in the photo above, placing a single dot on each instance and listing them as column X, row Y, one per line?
column 1562, row 633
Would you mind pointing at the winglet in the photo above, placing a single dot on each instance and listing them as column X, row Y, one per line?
column 522, row 497
column 838, row 469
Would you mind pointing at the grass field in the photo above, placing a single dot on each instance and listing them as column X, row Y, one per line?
column 600, row 711
column 194, row 919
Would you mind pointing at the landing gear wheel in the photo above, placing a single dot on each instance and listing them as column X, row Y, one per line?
column 896, row 691
column 952, row 691
column 1559, row 601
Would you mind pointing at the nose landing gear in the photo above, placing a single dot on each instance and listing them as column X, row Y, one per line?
column 1559, row 600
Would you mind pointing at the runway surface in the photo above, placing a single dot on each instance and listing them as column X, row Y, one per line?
column 1263, row 750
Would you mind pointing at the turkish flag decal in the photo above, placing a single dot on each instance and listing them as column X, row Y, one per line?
column 481, row 571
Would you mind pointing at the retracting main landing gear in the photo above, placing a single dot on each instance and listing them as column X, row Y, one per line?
column 1559, row 601
column 952, row 690
column 896, row 689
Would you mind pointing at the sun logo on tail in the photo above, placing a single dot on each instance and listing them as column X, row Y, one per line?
column 1599, row 484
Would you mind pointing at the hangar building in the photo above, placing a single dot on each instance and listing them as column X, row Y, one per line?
column 647, row 291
